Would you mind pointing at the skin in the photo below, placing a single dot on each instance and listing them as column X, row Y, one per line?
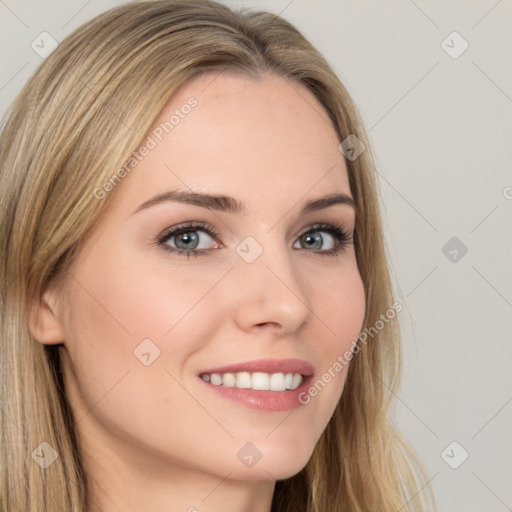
column 156, row 435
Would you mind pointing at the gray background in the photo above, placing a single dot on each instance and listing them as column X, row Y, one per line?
column 441, row 132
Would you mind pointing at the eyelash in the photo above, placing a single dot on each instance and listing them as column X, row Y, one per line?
column 341, row 237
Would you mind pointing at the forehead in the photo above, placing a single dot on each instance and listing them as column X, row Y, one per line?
column 265, row 139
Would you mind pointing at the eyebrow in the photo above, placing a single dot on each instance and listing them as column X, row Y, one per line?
column 231, row 205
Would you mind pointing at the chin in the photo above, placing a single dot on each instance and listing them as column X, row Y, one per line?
column 274, row 464
column 267, row 472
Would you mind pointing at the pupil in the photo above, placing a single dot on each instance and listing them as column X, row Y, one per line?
column 188, row 240
column 316, row 243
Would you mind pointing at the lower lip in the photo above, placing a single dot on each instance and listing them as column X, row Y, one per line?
column 272, row 401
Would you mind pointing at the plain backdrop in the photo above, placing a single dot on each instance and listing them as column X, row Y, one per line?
column 437, row 106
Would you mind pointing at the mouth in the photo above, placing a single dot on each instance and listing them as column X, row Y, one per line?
column 265, row 384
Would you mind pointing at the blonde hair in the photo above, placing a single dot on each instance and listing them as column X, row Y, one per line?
column 77, row 120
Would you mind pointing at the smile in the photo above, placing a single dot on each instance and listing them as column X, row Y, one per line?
column 258, row 381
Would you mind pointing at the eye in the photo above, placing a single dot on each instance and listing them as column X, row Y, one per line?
column 185, row 239
column 337, row 238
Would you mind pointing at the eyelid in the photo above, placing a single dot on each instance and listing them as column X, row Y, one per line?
column 186, row 226
column 319, row 226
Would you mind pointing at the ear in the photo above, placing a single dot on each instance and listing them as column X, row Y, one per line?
column 43, row 322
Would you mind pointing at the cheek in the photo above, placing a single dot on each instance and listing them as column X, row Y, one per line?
column 129, row 294
column 109, row 386
column 124, row 314
column 342, row 307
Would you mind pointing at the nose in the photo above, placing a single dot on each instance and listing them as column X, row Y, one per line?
column 269, row 293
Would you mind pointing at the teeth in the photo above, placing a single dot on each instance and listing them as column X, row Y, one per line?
column 243, row 380
column 216, row 379
column 229, row 380
column 257, row 380
column 296, row 381
column 276, row 381
column 260, row 381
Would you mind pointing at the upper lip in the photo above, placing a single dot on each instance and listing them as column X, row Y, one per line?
column 266, row 366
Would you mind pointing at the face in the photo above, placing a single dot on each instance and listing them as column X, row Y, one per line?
column 169, row 298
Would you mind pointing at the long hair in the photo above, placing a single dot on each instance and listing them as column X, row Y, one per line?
column 77, row 120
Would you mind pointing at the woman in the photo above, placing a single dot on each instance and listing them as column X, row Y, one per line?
column 196, row 307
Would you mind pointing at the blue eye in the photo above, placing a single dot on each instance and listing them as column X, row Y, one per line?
column 185, row 239
column 313, row 238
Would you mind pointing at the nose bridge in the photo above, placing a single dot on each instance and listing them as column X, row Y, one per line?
column 271, row 290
